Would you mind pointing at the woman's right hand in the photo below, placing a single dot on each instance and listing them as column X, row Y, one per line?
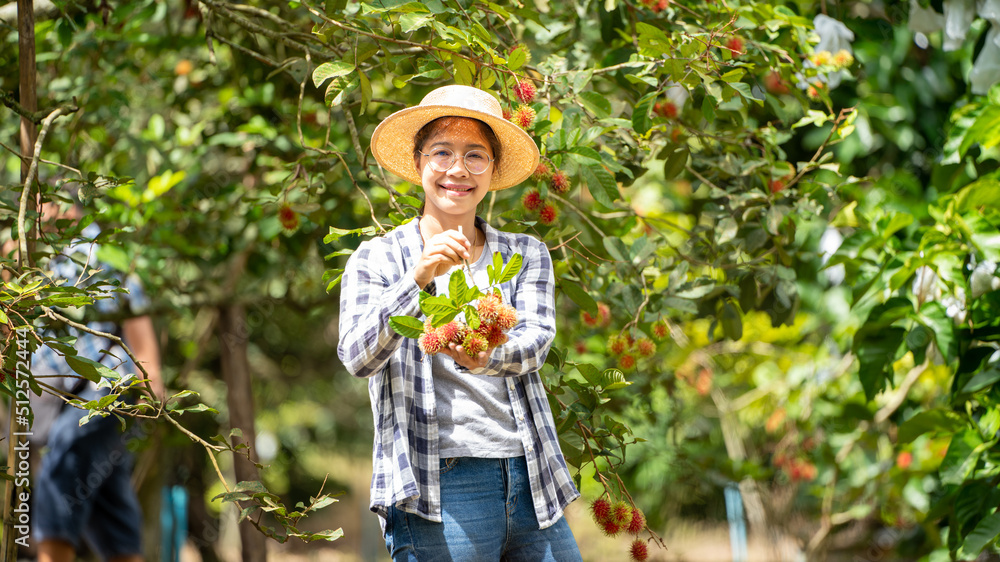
column 441, row 252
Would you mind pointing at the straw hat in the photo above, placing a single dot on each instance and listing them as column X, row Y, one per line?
column 392, row 141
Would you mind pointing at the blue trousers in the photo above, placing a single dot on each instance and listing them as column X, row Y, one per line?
column 83, row 490
column 488, row 516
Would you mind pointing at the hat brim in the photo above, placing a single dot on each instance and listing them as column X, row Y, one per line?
column 392, row 143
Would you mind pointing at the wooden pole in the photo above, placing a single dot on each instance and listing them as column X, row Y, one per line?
column 14, row 492
column 234, row 335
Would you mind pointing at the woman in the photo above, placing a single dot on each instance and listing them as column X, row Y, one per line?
column 466, row 459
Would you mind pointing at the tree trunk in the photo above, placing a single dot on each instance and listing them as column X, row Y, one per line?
column 236, row 374
column 14, row 493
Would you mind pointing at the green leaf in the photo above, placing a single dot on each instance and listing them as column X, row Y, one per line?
column 196, row 408
column 984, row 130
column 932, row 421
column 472, row 317
column 616, row 248
column 338, row 233
column 641, row 120
column 876, row 350
column 495, row 269
column 251, row 486
column 984, row 533
column 708, row 109
column 457, row 286
column 591, row 373
column 414, row 21
column 576, row 293
column 517, row 59
column 511, row 269
column 328, row 70
column 732, row 322
column 438, row 306
column 326, row 535
column 961, row 457
column 407, row 326
column 247, row 512
column 677, row 157
column 232, row 497
column 613, row 379
column 90, row 369
column 588, row 153
column 338, row 91
column 601, row 184
column 465, row 71
column 982, row 380
column 596, row 104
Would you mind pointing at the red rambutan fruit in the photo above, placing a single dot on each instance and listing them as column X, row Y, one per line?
column 646, row 347
column 430, row 343
column 473, row 344
column 637, row 523
column 617, row 345
column 665, row 109
column 775, row 84
column 560, row 182
column 626, row 362
column 494, row 335
column 489, row 307
column 452, row 332
column 532, row 200
column 288, row 217
column 638, row 550
column 621, row 513
column 660, row 330
column 523, row 117
column 542, row 172
column 507, row 317
column 524, row 90
column 547, row 215
column 735, row 45
column 611, row 528
column 601, row 510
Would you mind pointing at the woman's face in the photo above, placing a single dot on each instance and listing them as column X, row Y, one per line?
column 456, row 191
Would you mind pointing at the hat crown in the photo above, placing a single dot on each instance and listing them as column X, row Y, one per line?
column 465, row 97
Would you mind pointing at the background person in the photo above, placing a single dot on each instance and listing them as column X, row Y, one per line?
column 82, row 491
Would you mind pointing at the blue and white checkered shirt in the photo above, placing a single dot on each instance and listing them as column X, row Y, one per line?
column 377, row 285
column 79, row 262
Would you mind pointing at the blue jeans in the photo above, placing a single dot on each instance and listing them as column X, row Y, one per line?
column 84, row 490
column 488, row 516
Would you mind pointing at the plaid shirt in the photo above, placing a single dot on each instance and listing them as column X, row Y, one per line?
column 377, row 284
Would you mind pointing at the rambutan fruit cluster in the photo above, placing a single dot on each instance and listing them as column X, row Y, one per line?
column 495, row 319
column 617, row 518
column 533, row 202
column 629, row 350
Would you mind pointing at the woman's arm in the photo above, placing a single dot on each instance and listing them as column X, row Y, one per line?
column 534, row 299
column 367, row 301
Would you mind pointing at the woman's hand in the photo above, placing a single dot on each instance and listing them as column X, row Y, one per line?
column 457, row 352
column 442, row 252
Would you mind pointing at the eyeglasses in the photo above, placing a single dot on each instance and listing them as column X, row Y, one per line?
column 442, row 159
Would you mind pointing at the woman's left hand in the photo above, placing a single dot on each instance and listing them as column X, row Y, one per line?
column 457, row 353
